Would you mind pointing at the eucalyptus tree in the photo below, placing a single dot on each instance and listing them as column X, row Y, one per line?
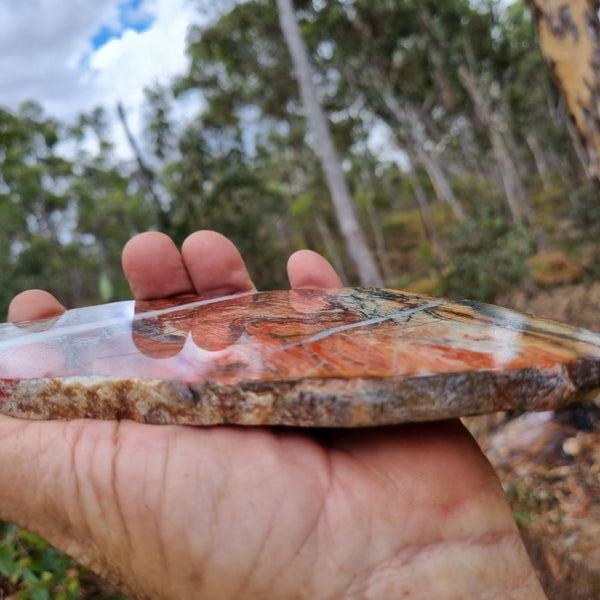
column 569, row 33
column 379, row 54
column 356, row 244
column 460, row 86
column 242, row 65
column 537, row 116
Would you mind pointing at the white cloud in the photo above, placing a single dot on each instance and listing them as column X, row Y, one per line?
column 123, row 67
column 40, row 44
column 47, row 55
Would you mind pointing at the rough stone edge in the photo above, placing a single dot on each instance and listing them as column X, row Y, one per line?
column 304, row 403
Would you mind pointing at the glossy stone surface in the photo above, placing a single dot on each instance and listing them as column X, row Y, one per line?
column 347, row 357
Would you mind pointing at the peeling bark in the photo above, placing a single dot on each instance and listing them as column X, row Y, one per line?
column 569, row 34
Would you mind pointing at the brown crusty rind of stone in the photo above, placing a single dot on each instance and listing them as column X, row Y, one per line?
column 308, row 402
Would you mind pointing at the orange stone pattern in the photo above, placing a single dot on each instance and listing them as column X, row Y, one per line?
column 321, row 358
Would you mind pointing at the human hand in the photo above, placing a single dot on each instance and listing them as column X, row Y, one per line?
column 228, row 512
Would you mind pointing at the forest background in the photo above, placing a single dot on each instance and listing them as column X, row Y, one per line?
column 458, row 151
column 464, row 171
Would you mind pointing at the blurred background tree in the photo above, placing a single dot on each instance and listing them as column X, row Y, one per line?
column 452, row 140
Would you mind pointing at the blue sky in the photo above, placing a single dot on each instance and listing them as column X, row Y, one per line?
column 131, row 16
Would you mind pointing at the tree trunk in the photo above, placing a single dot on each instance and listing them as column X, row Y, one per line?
column 382, row 253
column 147, row 174
column 354, row 237
column 441, row 71
column 569, row 33
column 539, row 159
column 516, row 199
column 578, row 144
column 332, row 254
column 425, row 212
column 408, row 118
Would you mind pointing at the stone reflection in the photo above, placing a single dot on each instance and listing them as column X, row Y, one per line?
column 160, row 328
column 36, row 326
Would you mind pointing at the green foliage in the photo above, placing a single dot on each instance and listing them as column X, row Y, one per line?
column 30, row 569
column 488, row 256
column 585, row 216
column 159, row 124
column 303, row 207
column 585, row 210
column 404, row 223
column 214, row 185
column 64, row 220
column 426, row 253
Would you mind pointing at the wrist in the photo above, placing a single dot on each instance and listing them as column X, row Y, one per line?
column 494, row 566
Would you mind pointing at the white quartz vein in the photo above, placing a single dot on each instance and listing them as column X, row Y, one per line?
column 373, row 321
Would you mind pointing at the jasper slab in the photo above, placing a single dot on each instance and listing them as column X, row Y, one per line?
column 329, row 358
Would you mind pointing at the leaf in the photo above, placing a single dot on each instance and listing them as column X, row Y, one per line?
column 33, row 540
column 8, row 566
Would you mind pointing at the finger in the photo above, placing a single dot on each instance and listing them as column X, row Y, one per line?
column 215, row 265
column 34, row 304
column 307, row 269
column 154, row 267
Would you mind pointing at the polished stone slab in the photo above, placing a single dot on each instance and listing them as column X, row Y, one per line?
column 347, row 357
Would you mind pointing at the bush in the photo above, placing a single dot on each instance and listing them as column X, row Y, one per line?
column 486, row 257
column 31, row 569
column 585, row 211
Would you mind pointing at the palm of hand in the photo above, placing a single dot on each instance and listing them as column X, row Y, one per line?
column 181, row 512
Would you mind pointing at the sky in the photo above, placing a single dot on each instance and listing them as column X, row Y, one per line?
column 74, row 55
column 71, row 56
